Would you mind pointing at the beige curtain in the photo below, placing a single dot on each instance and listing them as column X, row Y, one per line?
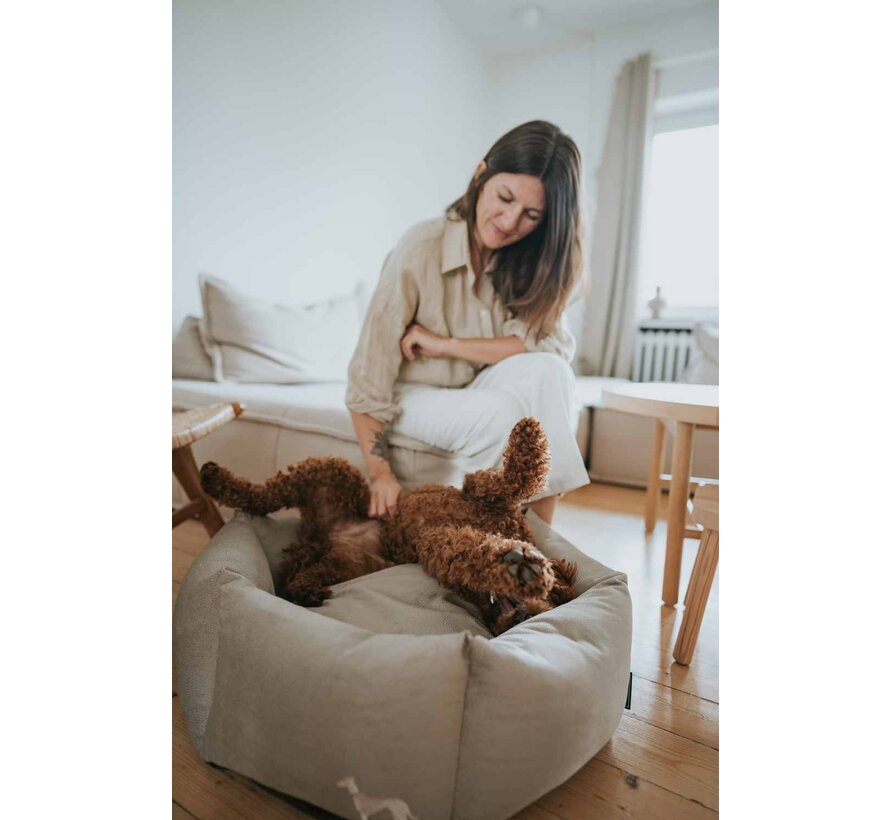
column 608, row 331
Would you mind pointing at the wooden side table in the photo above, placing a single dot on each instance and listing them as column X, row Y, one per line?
column 690, row 406
column 188, row 427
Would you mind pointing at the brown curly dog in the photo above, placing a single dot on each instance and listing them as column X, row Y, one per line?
column 475, row 541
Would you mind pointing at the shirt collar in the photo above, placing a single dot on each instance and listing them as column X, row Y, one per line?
column 455, row 246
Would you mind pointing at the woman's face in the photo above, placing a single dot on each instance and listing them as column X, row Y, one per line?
column 509, row 208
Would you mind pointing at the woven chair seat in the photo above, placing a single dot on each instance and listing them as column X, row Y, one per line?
column 195, row 424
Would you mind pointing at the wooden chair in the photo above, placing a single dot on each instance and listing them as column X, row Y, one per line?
column 658, row 481
column 706, row 513
column 188, row 427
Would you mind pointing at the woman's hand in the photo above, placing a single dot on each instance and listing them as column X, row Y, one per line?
column 385, row 492
column 418, row 341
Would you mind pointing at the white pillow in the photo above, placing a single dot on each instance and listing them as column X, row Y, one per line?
column 704, row 368
column 190, row 359
column 253, row 340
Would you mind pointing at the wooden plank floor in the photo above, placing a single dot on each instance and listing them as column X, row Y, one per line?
column 661, row 762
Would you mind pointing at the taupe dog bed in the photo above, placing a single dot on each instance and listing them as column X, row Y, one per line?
column 392, row 693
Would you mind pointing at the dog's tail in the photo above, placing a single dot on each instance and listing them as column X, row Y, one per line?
column 526, row 466
column 323, row 489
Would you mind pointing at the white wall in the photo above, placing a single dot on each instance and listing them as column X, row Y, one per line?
column 572, row 85
column 675, row 36
column 307, row 136
column 554, row 85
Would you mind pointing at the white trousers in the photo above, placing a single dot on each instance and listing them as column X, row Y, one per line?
column 475, row 421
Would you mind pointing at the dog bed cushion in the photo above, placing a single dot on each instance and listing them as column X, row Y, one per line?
column 394, row 681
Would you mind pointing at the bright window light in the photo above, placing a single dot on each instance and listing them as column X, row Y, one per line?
column 679, row 229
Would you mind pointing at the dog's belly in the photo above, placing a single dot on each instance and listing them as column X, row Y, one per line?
column 359, row 544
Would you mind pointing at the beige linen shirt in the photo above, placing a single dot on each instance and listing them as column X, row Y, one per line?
column 427, row 278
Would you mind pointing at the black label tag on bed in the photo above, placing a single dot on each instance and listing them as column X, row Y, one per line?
column 630, row 686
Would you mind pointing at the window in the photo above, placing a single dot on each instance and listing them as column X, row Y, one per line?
column 679, row 229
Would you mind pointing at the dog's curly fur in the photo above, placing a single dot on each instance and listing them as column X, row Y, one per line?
column 475, row 541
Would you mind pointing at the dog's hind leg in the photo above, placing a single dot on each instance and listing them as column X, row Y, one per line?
column 525, row 470
column 311, row 586
column 239, row 493
column 325, row 490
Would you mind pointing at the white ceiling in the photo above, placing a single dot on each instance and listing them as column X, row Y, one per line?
column 496, row 26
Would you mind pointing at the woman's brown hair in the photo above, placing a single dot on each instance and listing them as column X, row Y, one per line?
column 535, row 276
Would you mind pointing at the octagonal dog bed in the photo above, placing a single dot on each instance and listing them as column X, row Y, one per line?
column 393, row 694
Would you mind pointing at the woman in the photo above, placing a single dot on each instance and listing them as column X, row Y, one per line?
column 459, row 298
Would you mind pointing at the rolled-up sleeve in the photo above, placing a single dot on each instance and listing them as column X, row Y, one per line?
column 375, row 364
column 560, row 341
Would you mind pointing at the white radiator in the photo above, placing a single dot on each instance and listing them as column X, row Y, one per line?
column 661, row 353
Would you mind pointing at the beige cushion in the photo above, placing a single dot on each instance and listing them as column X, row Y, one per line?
column 309, row 408
column 190, row 359
column 395, row 682
column 254, row 340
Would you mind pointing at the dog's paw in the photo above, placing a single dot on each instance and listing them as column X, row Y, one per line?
column 505, row 612
column 528, row 568
column 314, row 596
column 212, row 477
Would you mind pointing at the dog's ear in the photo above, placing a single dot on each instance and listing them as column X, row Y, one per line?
column 565, row 572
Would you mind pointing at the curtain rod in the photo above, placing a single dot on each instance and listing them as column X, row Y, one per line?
column 671, row 62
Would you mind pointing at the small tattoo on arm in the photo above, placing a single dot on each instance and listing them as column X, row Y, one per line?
column 381, row 443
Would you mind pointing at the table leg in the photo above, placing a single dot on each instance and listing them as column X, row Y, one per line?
column 588, row 456
column 653, row 484
column 679, row 494
column 185, row 469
